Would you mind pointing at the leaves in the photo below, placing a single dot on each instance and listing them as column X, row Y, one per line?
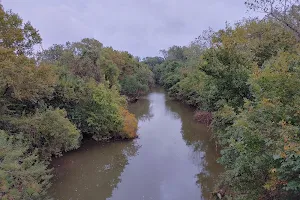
column 16, row 35
column 22, row 80
column 284, row 11
column 50, row 101
column 248, row 76
column 130, row 124
column 22, row 175
column 50, row 132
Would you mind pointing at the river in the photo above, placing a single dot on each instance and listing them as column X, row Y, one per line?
column 173, row 159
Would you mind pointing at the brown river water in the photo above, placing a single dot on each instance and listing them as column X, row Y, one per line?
column 174, row 158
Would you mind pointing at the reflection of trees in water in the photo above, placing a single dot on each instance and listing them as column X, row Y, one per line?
column 202, row 148
column 131, row 150
column 142, row 109
column 92, row 171
column 172, row 114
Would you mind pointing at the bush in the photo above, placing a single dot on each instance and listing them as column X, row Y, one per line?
column 50, row 132
column 22, row 175
column 130, row 124
column 94, row 108
column 103, row 118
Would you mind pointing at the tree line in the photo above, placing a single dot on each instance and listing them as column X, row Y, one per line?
column 244, row 80
column 51, row 100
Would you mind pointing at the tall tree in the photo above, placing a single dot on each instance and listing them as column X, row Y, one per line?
column 174, row 53
column 17, row 35
column 152, row 61
column 287, row 12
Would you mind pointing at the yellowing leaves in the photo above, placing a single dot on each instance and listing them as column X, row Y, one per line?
column 22, row 80
column 273, row 181
column 267, row 102
column 130, row 123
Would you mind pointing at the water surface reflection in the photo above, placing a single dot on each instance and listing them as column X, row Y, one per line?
column 173, row 159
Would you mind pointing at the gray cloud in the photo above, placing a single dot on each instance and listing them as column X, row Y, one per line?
column 142, row 27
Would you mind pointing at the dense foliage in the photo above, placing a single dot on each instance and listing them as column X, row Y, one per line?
column 22, row 174
column 50, row 100
column 245, row 79
column 247, row 76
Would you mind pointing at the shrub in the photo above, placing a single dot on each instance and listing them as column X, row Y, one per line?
column 50, row 132
column 22, row 175
column 103, row 118
column 130, row 124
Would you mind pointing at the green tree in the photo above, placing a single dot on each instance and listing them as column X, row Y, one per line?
column 103, row 117
column 229, row 72
column 153, row 61
column 82, row 58
column 53, row 55
column 132, row 87
column 261, row 144
column 174, row 53
column 86, row 59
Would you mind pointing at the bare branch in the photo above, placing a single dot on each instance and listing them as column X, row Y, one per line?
column 286, row 12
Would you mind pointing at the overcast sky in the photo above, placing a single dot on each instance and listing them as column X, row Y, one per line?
column 142, row 27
